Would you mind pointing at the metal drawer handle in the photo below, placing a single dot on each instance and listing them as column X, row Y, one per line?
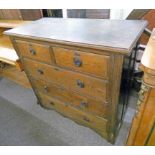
column 46, row 89
column 80, row 83
column 66, row 104
column 52, row 103
column 86, row 119
column 32, row 51
column 40, row 71
column 84, row 104
column 77, row 61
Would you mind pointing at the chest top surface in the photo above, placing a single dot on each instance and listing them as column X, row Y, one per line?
column 99, row 33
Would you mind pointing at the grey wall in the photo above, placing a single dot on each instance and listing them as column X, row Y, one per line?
column 88, row 13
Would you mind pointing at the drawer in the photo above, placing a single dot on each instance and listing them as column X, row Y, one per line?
column 85, row 104
column 82, row 61
column 36, row 51
column 71, row 80
column 97, row 123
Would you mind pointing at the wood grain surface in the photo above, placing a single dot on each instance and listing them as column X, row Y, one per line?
column 81, row 61
column 68, row 79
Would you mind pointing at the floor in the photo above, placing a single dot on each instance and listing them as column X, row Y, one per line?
column 23, row 122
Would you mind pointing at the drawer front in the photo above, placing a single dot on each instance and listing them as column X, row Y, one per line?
column 35, row 51
column 81, row 61
column 99, row 124
column 74, row 99
column 72, row 81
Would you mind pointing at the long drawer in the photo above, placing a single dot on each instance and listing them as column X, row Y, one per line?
column 36, row 51
column 98, row 124
column 85, row 104
column 71, row 80
column 94, row 64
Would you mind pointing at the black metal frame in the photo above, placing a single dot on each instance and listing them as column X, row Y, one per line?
column 129, row 75
column 127, row 80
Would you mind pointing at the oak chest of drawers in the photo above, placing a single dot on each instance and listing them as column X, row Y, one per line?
column 75, row 66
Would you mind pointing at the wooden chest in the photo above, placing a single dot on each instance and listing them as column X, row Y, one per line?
column 75, row 66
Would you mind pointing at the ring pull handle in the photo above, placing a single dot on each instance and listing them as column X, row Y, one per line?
column 52, row 103
column 40, row 71
column 86, row 119
column 66, row 104
column 84, row 104
column 46, row 89
column 77, row 61
column 32, row 51
column 80, row 83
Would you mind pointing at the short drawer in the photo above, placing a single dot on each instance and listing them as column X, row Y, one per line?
column 82, row 61
column 97, row 123
column 36, row 51
column 71, row 80
column 85, row 104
